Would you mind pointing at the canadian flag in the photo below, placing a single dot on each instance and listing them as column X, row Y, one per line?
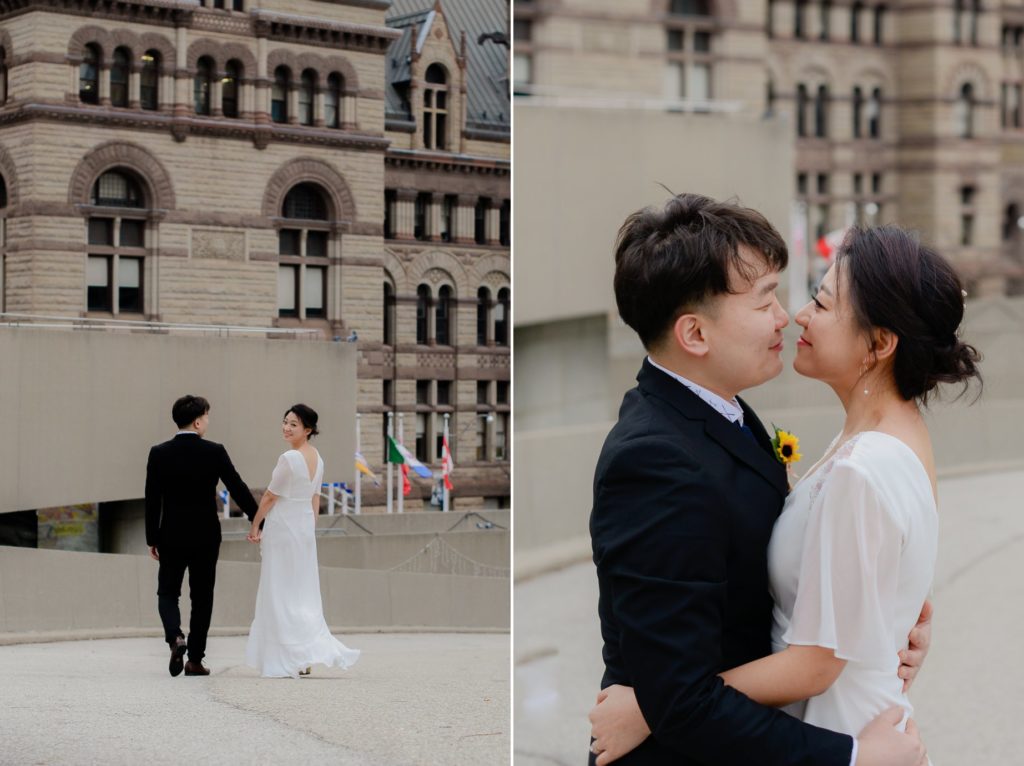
column 447, row 464
column 829, row 243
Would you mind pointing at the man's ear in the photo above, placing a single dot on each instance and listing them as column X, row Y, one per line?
column 688, row 334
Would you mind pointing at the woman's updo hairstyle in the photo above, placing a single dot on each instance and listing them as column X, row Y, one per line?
column 306, row 415
column 898, row 284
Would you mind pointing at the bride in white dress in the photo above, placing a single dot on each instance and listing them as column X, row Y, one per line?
column 852, row 555
column 289, row 633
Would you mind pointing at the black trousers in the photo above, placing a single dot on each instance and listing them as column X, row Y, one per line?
column 201, row 563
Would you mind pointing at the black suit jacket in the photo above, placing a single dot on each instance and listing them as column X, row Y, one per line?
column 181, row 491
column 684, row 504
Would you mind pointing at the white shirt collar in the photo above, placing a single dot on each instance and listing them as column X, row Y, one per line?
column 187, row 431
column 730, row 410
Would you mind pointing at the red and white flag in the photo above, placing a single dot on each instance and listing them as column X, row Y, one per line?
column 829, row 243
column 447, row 464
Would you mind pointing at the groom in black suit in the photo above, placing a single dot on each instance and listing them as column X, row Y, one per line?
column 686, row 493
column 183, row 526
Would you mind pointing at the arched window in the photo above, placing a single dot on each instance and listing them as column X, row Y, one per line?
column 89, row 75
column 203, row 85
column 279, row 94
column 229, row 88
column 119, row 68
column 855, row 14
column 3, row 75
column 501, row 316
column 307, row 89
column 965, row 111
column 389, row 314
column 115, row 263
column 303, row 250
column 422, row 314
column 442, row 316
column 435, row 108
column 149, row 84
column 875, row 114
column 801, row 110
column 483, row 310
column 332, row 101
column 821, row 112
column 857, row 110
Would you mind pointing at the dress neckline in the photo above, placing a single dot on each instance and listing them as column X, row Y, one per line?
column 821, row 464
column 318, row 461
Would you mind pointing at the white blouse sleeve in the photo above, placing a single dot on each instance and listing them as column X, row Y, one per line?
column 279, row 479
column 849, row 572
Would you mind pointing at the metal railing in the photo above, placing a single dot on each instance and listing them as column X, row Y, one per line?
column 44, row 322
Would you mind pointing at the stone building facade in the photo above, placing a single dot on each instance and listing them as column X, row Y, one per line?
column 211, row 162
column 900, row 111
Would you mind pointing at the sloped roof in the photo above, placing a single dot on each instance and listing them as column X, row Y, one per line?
column 487, row 88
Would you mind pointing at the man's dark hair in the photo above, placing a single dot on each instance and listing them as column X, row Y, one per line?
column 669, row 261
column 188, row 409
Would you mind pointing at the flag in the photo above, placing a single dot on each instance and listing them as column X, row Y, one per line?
column 398, row 454
column 447, row 464
column 363, row 467
column 406, row 484
column 829, row 243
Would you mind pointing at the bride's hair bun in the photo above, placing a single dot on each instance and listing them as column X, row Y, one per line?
column 307, row 416
column 897, row 283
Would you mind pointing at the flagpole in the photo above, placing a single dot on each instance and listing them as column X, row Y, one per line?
column 359, row 474
column 445, row 505
column 401, row 440
column 391, row 468
column 798, row 268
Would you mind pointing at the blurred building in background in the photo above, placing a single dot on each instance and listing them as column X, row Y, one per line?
column 898, row 111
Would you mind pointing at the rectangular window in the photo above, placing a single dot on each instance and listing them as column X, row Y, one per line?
column 674, row 41
column 966, row 195
column 825, row 11
column 876, row 183
column 502, row 395
column 444, row 392
column 422, row 208
column 129, row 285
column 423, row 392
column 801, row 184
column 316, row 244
column 390, row 200
column 858, row 184
column 98, row 280
column 822, row 183
column 966, row 229
column 421, row 438
column 448, row 217
column 289, row 242
column 699, row 86
column 522, row 72
column 505, row 224
column 287, row 284
column 315, row 291
column 480, row 220
column 522, row 30
column 481, row 439
column 501, row 436
column 702, row 42
column 389, row 393
column 101, row 231
column 133, row 233
column 483, row 391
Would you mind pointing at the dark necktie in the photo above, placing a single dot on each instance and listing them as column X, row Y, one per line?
column 746, row 429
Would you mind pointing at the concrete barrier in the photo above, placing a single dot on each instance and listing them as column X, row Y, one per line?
column 62, row 591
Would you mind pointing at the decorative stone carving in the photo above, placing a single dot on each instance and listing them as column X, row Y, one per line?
column 218, row 243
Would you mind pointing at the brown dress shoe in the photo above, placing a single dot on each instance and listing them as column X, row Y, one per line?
column 178, row 649
column 196, row 669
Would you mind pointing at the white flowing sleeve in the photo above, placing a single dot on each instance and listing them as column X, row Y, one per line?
column 846, row 596
column 279, row 479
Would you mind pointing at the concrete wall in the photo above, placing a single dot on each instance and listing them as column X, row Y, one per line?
column 59, row 591
column 82, row 408
column 580, row 172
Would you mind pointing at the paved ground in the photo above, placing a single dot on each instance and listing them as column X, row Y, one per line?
column 968, row 701
column 411, row 699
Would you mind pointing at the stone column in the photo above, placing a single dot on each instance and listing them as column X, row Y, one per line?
column 105, row 85
column 349, row 105
column 135, row 85
column 261, row 85
column 319, row 108
column 434, row 213
column 492, row 228
column 405, row 214
column 464, row 219
column 181, row 74
column 217, row 95
column 293, row 102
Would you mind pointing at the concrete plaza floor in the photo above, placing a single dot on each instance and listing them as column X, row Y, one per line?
column 968, row 700
column 412, row 698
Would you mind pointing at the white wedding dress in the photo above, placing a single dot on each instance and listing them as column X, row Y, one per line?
column 851, row 562
column 288, row 632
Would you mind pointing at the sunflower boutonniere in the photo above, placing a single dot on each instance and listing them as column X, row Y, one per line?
column 786, row 447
